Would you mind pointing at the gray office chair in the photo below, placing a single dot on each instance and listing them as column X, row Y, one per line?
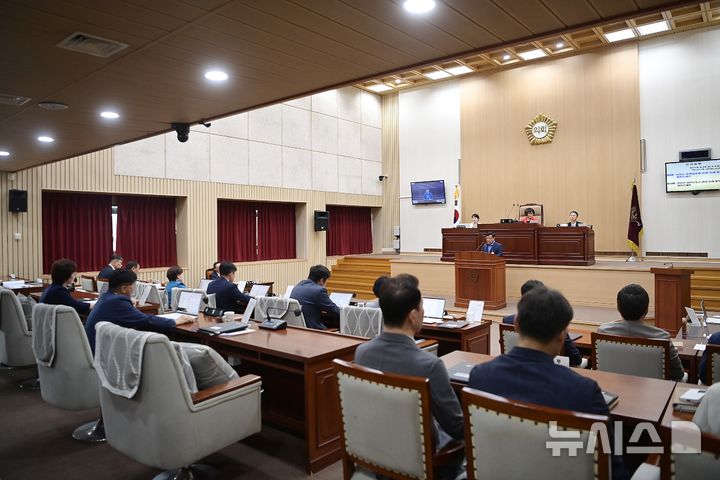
column 206, row 302
column 509, row 439
column 642, row 357
column 508, row 338
column 361, row 321
column 88, row 283
column 69, row 380
column 287, row 309
column 712, row 365
column 15, row 337
column 163, row 425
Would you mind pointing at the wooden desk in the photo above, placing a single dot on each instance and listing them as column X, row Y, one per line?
column 641, row 399
column 300, row 388
column 474, row 337
column 29, row 288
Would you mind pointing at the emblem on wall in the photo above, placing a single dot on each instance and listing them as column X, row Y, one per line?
column 541, row 129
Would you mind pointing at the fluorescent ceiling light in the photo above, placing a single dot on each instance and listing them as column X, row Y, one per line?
column 419, row 6
column 380, row 87
column 111, row 115
column 655, row 27
column 437, row 74
column 459, row 70
column 4, row 153
column 216, row 76
column 620, row 35
column 45, row 139
column 532, row 54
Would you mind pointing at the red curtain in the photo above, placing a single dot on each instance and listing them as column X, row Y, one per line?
column 349, row 231
column 78, row 227
column 236, row 231
column 146, row 230
column 276, row 231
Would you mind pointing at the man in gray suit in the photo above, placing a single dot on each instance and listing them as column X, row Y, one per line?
column 313, row 298
column 395, row 351
column 632, row 303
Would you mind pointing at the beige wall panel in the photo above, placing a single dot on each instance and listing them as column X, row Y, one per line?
column 436, row 278
column 588, row 167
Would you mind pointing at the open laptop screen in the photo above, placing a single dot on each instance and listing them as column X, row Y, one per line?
column 189, row 302
column 434, row 307
column 259, row 290
column 204, row 284
column 341, row 299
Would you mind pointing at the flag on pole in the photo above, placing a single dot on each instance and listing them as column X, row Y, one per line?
column 635, row 225
column 457, row 212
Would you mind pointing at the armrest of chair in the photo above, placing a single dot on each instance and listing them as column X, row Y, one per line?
column 450, row 454
column 222, row 388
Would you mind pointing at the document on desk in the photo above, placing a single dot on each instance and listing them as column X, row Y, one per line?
column 678, row 344
column 172, row 316
column 241, row 332
column 700, row 347
column 714, row 320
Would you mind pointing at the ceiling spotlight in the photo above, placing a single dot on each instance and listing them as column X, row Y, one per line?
column 110, row 115
column 397, row 80
column 216, row 76
column 506, row 57
column 45, row 139
column 559, row 45
column 419, row 6
column 4, row 153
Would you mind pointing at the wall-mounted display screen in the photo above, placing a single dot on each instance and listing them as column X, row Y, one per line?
column 692, row 176
column 432, row 191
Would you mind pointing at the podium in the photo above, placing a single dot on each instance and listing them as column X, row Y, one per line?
column 672, row 295
column 479, row 276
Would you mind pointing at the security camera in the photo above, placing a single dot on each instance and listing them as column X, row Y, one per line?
column 183, row 131
column 382, row 177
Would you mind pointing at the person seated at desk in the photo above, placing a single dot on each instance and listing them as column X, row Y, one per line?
column 573, row 220
column 569, row 346
column 114, row 264
column 475, row 220
column 491, row 246
column 313, row 297
column 62, row 273
column 632, row 304
column 227, row 295
column 377, row 289
column 529, row 216
column 175, row 280
column 528, row 373
column 216, row 271
column 707, row 416
column 133, row 266
column 715, row 340
column 395, row 351
column 116, row 307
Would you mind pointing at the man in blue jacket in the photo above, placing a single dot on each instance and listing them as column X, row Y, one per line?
column 313, row 297
column 227, row 295
column 116, row 307
column 62, row 273
column 491, row 246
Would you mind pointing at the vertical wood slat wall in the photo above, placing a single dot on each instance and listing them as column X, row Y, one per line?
column 196, row 220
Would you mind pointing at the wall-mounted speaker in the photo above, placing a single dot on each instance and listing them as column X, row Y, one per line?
column 17, row 200
column 322, row 220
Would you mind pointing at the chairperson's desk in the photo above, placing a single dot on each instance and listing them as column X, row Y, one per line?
column 299, row 384
column 640, row 399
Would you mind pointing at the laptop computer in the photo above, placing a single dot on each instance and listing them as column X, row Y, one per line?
column 241, row 285
column 247, row 314
column 434, row 310
column 259, row 290
column 220, row 328
column 475, row 310
column 288, row 291
column 341, row 299
column 204, row 284
column 189, row 303
column 695, row 328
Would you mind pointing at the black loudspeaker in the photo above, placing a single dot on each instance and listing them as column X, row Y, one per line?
column 322, row 219
column 17, row 200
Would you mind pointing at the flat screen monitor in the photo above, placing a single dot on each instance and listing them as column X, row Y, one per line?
column 692, row 176
column 424, row 193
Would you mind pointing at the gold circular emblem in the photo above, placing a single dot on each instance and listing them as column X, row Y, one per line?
column 541, row 130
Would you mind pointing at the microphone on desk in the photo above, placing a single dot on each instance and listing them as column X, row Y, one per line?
column 510, row 210
column 295, row 312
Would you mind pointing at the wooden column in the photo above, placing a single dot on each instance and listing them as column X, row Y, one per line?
column 479, row 276
column 672, row 295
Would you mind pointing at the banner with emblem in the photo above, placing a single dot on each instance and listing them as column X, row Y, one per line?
column 635, row 225
column 457, row 212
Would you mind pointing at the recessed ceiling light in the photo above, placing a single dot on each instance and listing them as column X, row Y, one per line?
column 559, row 45
column 655, row 27
column 620, row 35
column 380, row 87
column 111, row 115
column 532, row 54
column 437, row 74
column 506, row 57
column 4, row 153
column 459, row 70
column 216, row 76
column 45, row 139
column 419, row 6
column 398, row 80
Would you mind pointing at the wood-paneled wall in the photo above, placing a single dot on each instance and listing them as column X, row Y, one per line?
column 196, row 220
column 589, row 166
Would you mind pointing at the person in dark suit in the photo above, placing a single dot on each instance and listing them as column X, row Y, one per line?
column 715, row 340
column 573, row 220
column 491, row 246
column 227, row 295
column 116, row 307
column 216, row 271
column 569, row 346
column 115, row 263
column 313, row 297
column 395, row 351
column 62, row 273
column 133, row 266
column 377, row 288
column 528, row 373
